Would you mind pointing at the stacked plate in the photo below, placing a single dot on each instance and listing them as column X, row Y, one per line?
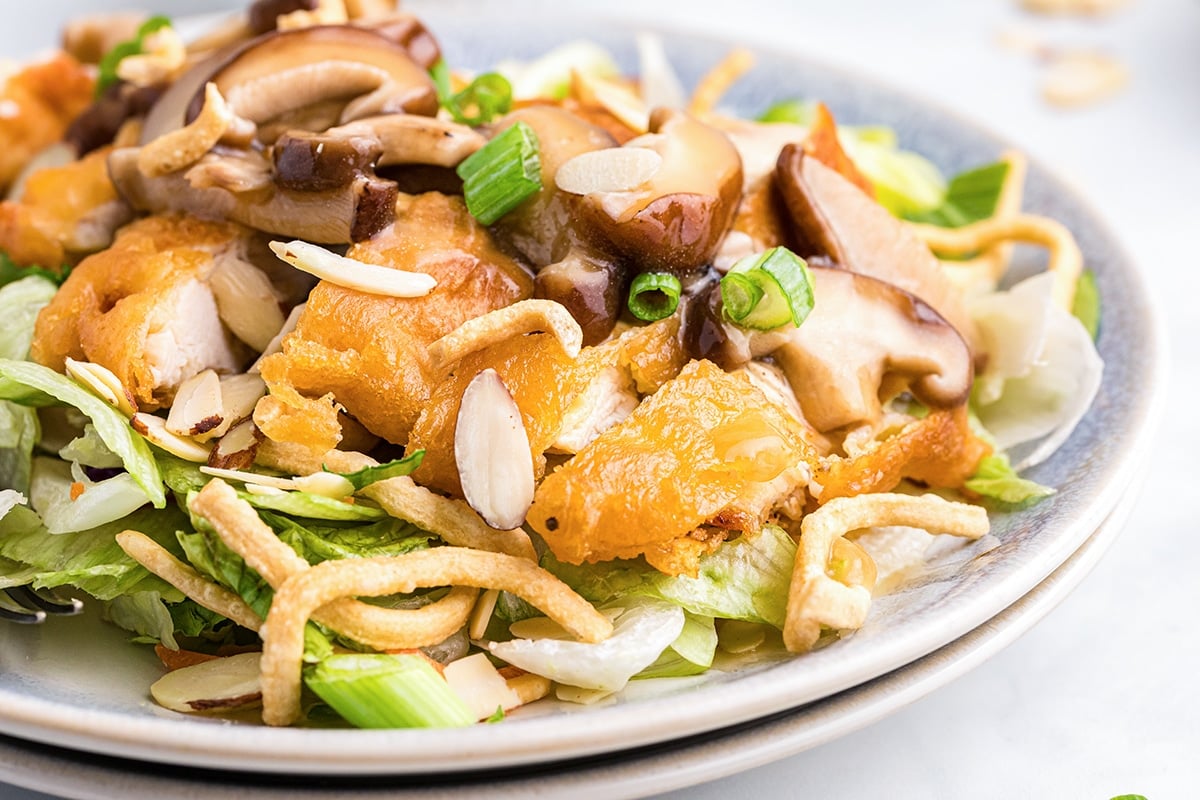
column 73, row 696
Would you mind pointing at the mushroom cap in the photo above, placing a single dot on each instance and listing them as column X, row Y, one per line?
column 836, row 218
column 867, row 341
column 676, row 220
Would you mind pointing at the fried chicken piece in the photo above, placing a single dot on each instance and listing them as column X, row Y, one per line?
column 370, row 352
column 36, row 106
column 708, row 448
column 143, row 308
column 64, row 213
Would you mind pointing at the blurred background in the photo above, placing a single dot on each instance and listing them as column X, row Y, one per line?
column 1095, row 701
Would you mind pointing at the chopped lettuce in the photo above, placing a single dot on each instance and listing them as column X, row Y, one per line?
column 744, row 579
column 90, row 560
column 12, row 273
column 550, row 75
column 68, row 501
column 206, row 552
column 314, row 506
column 145, row 614
column 971, row 196
column 89, row 450
column 640, row 634
column 365, row 477
column 905, row 183
column 314, row 543
column 995, row 478
column 111, row 427
column 21, row 300
column 691, row 653
column 1086, row 307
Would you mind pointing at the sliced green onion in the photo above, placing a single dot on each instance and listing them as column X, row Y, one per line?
column 108, row 64
column 768, row 290
column 502, row 174
column 1086, row 307
column 388, row 691
column 486, row 98
column 654, row 295
column 799, row 112
column 393, row 469
column 440, row 73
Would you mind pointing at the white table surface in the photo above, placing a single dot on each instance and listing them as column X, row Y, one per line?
column 1100, row 699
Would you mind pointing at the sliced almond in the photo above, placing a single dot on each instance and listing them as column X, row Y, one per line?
column 353, row 274
column 327, row 484
column 613, row 169
column 276, row 344
column 239, row 395
column 617, row 99
column 197, row 408
column 101, row 382
column 236, row 449
column 491, row 450
column 248, row 478
column 480, row 685
column 155, row 429
column 735, row 636
column 1079, row 78
column 481, row 615
column 222, row 684
column 246, row 302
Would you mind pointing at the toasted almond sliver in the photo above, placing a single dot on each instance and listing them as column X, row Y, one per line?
column 620, row 101
column 327, row 484
column 197, row 408
column 1080, row 78
column 492, row 452
column 529, row 687
column 481, row 615
column 101, row 382
column 613, row 169
column 239, row 395
column 236, row 449
column 155, row 429
column 526, row 316
column 276, row 344
column 246, row 302
column 353, row 274
column 480, row 685
column 222, row 684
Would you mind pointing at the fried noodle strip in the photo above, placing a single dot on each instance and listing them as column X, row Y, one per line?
column 716, row 81
column 156, row 558
column 382, row 628
column 181, row 148
column 304, row 593
column 816, row 600
column 1066, row 260
column 525, row 316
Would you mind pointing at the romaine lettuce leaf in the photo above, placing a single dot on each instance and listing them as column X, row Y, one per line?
column 316, row 543
column 89, row 450
column 971, row 196
column 145, row 614
column 55, row 494
column 691, row 653
column 314, row 506
column 381, row 472
column 21, row 300
column 90, row 560
column 744, row 579
column 111, row 427
column 995, row 478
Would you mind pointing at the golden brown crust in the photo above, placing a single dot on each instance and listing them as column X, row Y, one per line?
column 44, row 99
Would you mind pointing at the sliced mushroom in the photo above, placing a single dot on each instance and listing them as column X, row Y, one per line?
column 676, row 220
column 866, row 341
column 98, row 125
column 316, row 161
column 588, row 284
column 285, row 71
column 834, row 216
column 406, row 31
column 349, row 213
column 263, row 14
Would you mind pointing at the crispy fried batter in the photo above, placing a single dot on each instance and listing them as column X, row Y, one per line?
column 822, row 144
column 142, row 309
column 64, row 212
column 697, row 450
column 370, row 352
column 939, row 450
column 36, row 106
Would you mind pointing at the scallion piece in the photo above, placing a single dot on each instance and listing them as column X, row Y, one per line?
column 768, row 290
column 486, row 98
column 388, row 691
column 502, row 174
column 654, row 295
column 440, row 73
column 393, row 469
column 108, row 64
column 798, row 112
column 1086, row 306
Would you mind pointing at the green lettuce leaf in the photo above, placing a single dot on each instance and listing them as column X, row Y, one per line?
column 145, row 614
column 744, row 579
column 91, row 561
column 1086, row 306
column 111, row 427
column 691, row 653
column 315, row 543
column 970, row 196
column 995, row 478
column 89, row 450
column 206, row 552
column 393, row 469
column 12, row 273
column 314, row 506
column 112, row 59
column 21, row 298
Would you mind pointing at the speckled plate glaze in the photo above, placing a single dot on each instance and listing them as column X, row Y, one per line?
column 76, row 683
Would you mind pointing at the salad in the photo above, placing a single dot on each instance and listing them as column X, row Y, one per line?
column 365, row 387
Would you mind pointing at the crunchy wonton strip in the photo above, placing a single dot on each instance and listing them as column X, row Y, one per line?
column 452, row 520
column 241, row 529
column 816, row 600
column 154, row 557
column 716, row 81
column 529, row 687
column 525, row 316
column 304, row 593
column 1066, row 260
column 181, row 148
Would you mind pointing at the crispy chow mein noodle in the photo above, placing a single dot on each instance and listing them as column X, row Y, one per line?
column 526, row 316
column 306, row 592
column 716, row 82
column 816, row 600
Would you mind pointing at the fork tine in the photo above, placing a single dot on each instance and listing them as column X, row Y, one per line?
column 19, row 613
column 47, row 603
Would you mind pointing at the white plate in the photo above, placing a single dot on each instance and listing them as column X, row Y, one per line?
column 75, row 682
column 635, row 774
